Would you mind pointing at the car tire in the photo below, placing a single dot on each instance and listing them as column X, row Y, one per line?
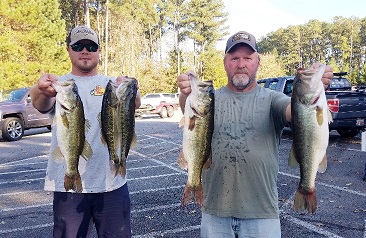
column 170, row 111
column 163, row 112
column 12, row 129
column 348, row 133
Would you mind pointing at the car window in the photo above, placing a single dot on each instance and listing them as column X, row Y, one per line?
column 339, row 83
column 153, row 96
column 272, row 85
column 288, row 87
column 15, row 95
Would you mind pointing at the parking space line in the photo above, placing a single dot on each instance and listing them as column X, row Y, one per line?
column 328, row 185
column 168, row 232
column 20, row 162
column 153, row 176
column 300, row 222
column 310, row 226
column 21, row 181
column 156, row 189
column 23, row 171
column 167, row 141
column 25, row 228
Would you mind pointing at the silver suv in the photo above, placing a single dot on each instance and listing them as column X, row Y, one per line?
column 154, row 99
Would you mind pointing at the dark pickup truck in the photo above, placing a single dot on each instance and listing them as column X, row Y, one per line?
column 348, row 108
column 18, row 114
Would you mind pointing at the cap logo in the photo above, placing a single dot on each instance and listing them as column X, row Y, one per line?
column 83, row 31
column 241, row 36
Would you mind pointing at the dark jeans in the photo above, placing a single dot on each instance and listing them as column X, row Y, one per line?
column 75, row 213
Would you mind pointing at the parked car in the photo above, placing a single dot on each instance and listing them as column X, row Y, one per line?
column 348, row 108
column 339, row 83
column 154, row 99
column 18, row 114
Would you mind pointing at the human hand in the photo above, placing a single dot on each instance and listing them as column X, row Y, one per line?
column 45, row 85
column 184, row 84
column 328, row 74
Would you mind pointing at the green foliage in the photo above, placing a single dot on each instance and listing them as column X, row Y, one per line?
column 270, row 66
column 341, row 44
column 30, row 41
column 155, row 40
column 214, row 67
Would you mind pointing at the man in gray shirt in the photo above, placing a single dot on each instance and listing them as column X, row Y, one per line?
column 240, row 197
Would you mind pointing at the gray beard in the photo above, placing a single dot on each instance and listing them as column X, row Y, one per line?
column 240, row 84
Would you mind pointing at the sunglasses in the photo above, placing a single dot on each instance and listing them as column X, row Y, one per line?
column 91, row 47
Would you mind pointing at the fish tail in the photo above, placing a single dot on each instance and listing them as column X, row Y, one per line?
column 118, row 168
column 73, row 182
column 122, row 169
column 192, row 194
column 305, row 200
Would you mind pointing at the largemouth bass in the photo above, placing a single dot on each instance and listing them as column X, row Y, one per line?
column 197, row 124
column 70, row 131
column 310, row 119
column 118, row 122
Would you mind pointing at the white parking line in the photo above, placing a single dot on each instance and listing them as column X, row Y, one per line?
column 310, row 226
column 299, row 222
column 168, row 232
column 23, row 171
column 20, row 162
column 328, row 185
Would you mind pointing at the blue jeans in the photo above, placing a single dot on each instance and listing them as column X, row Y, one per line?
column 231, row 227
column 75, row 213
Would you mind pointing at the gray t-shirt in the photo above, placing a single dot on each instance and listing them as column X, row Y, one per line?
column 242, row 179
column 96, row 175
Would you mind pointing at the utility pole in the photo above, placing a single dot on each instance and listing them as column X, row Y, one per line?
column 106, row 40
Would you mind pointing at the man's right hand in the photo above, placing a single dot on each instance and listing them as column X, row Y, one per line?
column 45, row 85
column 185, row 88
column 184, row 84
column 43, row 94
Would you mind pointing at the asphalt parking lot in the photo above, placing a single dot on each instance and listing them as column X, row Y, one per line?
column 156, row 185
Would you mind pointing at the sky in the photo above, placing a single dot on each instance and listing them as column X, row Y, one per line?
column 261, row 17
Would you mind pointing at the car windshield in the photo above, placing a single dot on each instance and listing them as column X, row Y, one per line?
column 12, row 95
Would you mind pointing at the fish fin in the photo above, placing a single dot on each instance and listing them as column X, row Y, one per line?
column 181, row 122
column 64, row 120
column 87, row 151
column 114, row 168
column 191, row 194
column 102, row 139
column 323, row 165
column 305, row 201
column 118, row 168
column 73, row 182
column 182, row 162
column 100, row 119
column 57, row 154
column 122, row 170
column 208, row 162
column 292, row 161
column 87, row 126
column 319, row 116
column 134, row 140
column 191, row 123
column 330, row 119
